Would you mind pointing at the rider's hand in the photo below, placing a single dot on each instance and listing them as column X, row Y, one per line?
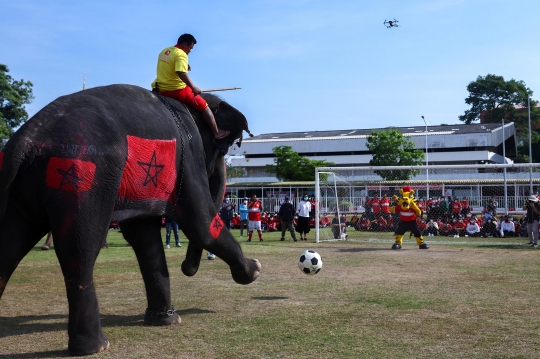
column 196, row 90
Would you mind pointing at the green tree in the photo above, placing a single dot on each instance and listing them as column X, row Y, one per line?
column 13, row 96
column 391, row 148
column 494, row 99
column 233, row 172
column 290, row 166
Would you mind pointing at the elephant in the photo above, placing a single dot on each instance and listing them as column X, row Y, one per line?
column 117, row 153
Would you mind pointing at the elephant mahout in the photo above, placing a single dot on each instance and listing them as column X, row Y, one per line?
column 125, row 154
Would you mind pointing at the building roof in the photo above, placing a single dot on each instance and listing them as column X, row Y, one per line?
column 362, row 133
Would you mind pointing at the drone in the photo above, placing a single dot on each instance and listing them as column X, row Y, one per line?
column 391, row 23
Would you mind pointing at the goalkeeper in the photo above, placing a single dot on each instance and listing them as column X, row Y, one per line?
column 408, row 212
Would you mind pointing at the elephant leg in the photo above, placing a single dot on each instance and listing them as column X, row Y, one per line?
column 17, row 237
column 190, row 265
column 144, row 235
column 211, row 234
column 77, row 251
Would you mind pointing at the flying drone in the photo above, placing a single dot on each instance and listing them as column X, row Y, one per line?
column 391, row 23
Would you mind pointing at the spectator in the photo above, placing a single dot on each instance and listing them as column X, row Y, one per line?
column 533, row 215
column 507, row 228
column 325, row 221
column 489, row 229
column 457, row 208
column 338, row 227
column 286, row 214
column 444, row 209
column 304, row 207
column 243, row 208
column 446, row 229
column 271, row 224
column 227, row 210
column 171, row 225
column 235, row 221
column 376, row 206
column 48, row 242
column 465, row 209
column 354, row 221
column 472, row 229
column 385, row 206
column 363, row 223
column 254, row 217
column 432, row 228
column 459, row 228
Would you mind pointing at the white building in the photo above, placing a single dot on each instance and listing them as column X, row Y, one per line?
column 448, row 144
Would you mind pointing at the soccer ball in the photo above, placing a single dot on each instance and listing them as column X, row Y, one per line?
column 310, row 262
column 210, row 256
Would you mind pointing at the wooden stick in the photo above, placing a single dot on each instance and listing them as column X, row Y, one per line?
column 222, row 89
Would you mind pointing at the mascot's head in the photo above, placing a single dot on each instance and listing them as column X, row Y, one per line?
column 407, row 197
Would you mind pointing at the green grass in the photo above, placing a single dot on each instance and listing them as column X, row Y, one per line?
column 462, row 298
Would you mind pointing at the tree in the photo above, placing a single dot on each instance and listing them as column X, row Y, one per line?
column 13, row 96
column 391, row 148
column 290, row 166
column 493, row 99
column 233, row 172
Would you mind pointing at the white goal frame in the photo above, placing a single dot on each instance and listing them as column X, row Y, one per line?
column 332, row 170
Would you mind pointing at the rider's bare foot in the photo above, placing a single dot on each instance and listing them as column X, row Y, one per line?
column 222, row 134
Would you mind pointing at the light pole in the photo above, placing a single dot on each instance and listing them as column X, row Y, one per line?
column 530, row 146
column 427, row 162
column 504, row 158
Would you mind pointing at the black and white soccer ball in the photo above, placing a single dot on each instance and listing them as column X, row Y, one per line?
column 310, row 262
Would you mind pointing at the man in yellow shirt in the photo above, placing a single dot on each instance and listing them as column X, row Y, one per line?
column 173, row 80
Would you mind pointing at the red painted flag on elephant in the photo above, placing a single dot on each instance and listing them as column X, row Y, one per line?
column 150, row 171
column 70, row 174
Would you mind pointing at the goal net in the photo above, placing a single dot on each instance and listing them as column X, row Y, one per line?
column 355, row 203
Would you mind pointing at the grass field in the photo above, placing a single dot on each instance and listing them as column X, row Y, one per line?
column 462, row 298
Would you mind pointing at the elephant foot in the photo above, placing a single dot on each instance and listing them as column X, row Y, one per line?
column 248, row 273
column 82, row 345
column 161, row 318
column 190, row 267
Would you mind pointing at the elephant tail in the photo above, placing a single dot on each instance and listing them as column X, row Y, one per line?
column 11, row 158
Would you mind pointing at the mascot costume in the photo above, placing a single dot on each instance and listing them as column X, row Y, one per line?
column 408, row 212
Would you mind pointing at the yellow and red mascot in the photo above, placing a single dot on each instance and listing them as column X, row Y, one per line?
column 408, row 211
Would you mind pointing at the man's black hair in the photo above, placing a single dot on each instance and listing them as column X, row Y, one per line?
column 186, row 38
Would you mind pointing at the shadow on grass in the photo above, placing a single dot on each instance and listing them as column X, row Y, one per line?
column 506, row 246
column 47, row 354
column 31, row 324
column 365, row 249
column 269, row 298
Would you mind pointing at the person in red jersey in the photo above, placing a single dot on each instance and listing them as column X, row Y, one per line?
column 385, row 206
column 325, row 221
column 446, row 229
column 408, row 212
column 376, row 205
column 457, row 206
column 254, row 217
column 459, row 228
column 465, row 209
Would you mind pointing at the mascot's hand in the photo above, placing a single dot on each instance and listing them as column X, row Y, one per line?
column 392, row 209
column 395, row 198
column 415, row 208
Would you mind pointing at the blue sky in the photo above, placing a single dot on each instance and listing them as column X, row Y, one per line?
column 302, row 65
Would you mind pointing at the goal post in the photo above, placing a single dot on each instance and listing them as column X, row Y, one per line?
column 355, row 194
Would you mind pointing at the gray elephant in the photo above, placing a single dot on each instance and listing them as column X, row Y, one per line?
column 125, row 154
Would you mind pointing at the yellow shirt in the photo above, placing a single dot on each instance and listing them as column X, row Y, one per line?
column 170, row 60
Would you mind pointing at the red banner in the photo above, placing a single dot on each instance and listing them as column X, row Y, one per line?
column 70, row 174
column 150, row 171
